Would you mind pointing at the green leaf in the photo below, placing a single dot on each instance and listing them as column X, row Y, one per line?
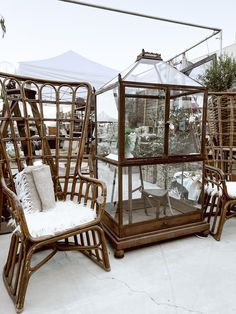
column 220, row 75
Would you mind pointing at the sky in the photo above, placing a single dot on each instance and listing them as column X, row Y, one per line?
column 39, row 29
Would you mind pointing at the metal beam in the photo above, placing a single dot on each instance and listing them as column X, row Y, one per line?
column 198, row 63
column 214, row 29
column 141, row 15
column 195, row 45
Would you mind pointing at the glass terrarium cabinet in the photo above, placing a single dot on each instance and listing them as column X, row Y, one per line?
column 150, row 127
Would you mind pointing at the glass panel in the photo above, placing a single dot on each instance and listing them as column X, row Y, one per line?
column 156, row 71
column 134, row 205
column 185, row 122
column 160, row 191
column 109, row 174
column 153, row 71
column 184, row 183
column 144, row 122
column 107, row 124
column 144, row 72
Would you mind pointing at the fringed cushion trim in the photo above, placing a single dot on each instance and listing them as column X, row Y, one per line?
column 23, row 192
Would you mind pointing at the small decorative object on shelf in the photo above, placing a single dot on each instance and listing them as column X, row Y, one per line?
column 150, row 151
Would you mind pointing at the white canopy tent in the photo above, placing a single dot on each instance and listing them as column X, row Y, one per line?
column 69, row 66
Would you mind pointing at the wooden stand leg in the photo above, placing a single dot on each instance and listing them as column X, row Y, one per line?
column 119, row 253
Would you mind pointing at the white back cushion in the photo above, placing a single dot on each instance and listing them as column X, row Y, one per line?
column 34, row 188
column 44, row 186
column 27, row 192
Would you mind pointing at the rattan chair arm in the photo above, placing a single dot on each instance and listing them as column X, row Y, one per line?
column 10, row 194
column 217, row 171
column 216, row 177
column 100, row 199
column 98, row 182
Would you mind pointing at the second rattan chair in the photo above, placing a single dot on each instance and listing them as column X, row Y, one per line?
column 220, row 173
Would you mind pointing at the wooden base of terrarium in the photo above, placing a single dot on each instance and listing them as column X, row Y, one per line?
column 130, row 242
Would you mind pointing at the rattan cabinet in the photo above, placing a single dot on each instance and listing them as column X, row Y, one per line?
column 150, row 130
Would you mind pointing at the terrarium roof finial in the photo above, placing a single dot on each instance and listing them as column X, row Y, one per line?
column 148, row 55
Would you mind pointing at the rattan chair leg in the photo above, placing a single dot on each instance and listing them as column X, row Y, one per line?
column 16, row 272
column 98, row 253
column 104, row 251
column 222, row 220
column 23, row 285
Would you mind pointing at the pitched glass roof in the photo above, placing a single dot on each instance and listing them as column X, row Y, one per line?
column 153, row 70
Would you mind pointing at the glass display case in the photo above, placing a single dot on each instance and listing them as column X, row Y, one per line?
column 150, row 132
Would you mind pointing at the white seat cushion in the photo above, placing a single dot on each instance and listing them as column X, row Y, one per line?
column 64, row 216
column 231, row 188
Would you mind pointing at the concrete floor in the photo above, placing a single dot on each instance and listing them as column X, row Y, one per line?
column 189, row 275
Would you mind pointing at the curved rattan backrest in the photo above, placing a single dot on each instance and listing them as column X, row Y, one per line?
column 44, row 121
column 222, row 132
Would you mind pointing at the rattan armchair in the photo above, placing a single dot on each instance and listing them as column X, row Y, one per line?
column 220, row 172
column 37, row 117
column 219, row 201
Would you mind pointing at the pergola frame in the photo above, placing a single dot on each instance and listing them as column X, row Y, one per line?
column 214, row 29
